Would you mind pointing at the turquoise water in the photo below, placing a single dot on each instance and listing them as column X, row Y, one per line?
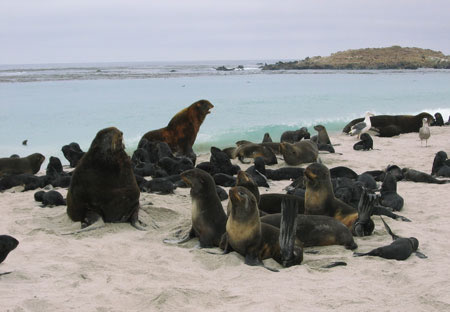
column 51, row 113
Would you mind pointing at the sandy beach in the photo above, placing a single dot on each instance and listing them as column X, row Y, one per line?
column 118, row 268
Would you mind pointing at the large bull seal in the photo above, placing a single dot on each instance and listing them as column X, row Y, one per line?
column 181, row 132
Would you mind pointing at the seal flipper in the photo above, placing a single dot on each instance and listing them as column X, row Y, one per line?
column 253, row 260
column 388, row 229
column 188, row 237
column 421, row 255
column 334, row 264
column 96, row 225
column 364, row 225
column 385, row 211
column 288, row 228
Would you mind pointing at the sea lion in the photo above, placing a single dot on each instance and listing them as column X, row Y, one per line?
column 181, row 132
column 389, row 196
column 317, row 230
column 246, row 234
column 50, row 198
column 320, row 200
column 208, row 217
column 252, row 150
column 390, row 125
column 295, row 136
column 365, row 144
column 304, row 151
column 103, row 186
column 400, row 249
column 7, row 244
column 245, row 180
column 30, row 164
column 419, row 176
column 73, row 153
column 322, row 135
column 440, row 167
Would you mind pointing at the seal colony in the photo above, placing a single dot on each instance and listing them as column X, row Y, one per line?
column 96, row 251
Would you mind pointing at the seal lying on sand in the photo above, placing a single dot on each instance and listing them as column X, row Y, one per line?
column 252, row 239
column 418, row 176
column 103, row 186
column 30, row 164
column 304, row 151
column 400, row 249
column 182, row 129
column 365, row 144
column 295, row 136
column 252, row 150
column 7, row 244
column 440, row 167
column 208, row 216
column 391, row 125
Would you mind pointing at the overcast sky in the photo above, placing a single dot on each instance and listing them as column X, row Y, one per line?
column 61, row 31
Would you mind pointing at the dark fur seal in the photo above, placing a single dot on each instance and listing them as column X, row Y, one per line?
column 7, row 244
column 389, row 196
column 390, row 125
column 267, row 138
column 343, row 172
column 252, row 150
column 271, row 202
column 208, row 216
column 400, row 249
column 440, row 167
column 418, row 176
column 246, row 234
column 322, row 135
column 73, row 153
column 365, row 144
column 304, row 151
column 30, row 164
column 103, row 185
column 50, row 198
column 295, row 136
column 245, row 180
column 219, row 162
column 320, row 200
column 317, row 230
column 181, row 132
column 438, row 120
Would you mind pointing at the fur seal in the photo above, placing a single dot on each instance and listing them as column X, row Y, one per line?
column 50, row 198
column 245, row 180
column 400, row 249
column 7, row 244
column 390, row 125
column 73, row 153
column 317, row 230
column 208, row 217
column 271, row 202
column 322, row 135
column 320, row 200
column 252, row 239
column 438, row 120
column 440, row 167
column 30, row 164
column 252, row 150
column 389, row 196
column 295, row 136
column 304, row 151
column 103, row 186
column 418, row 176
column 365, row 144
column 181, row 132
column 267, row 138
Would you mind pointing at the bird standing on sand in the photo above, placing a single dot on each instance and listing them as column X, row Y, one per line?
column 362, row 127
column 424, row 132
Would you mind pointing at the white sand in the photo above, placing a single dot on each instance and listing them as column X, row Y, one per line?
column 118, row 268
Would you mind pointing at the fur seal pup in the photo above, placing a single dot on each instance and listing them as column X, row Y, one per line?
column 322, row 135
column 50, row 198
column 103, row 186
column 440, row 167
column 271, row 202
column 267, row 138
column 317, row 230
column 390, row 125
column 389, row 196
column 181, row 132
column 30, row 164
column 400, row 249
column 219, row 162
column 304, row 151
column 208, row 217
column 295, row 136
column 252, row 239
column 7, row 244
column 419, row 176
column 438, row 120
column 365, row 144
column 252, row 150
column 245, row 180
column 73, row 153
column 424, row 132
column 320, row 200
column 343, row 172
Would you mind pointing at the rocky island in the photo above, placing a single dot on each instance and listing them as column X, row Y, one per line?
column 394, row 57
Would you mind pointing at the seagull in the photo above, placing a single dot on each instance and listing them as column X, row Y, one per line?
column 424, row 132
column 363, row 126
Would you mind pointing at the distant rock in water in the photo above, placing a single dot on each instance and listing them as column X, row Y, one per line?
column 223, row 68
column 394, row 57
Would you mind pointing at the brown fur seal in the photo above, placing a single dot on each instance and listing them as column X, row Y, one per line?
column 252, row 150
column 30, row 164
column 246, row 234
column 317, row 230
column 208, row 216
column 103, row 185
column 181, row 132
column 322, row 135
column 245, row 180
column 320, row 200
column 390, row 125
column 304, row 151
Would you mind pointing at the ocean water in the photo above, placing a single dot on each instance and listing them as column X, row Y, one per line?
column 54, row 105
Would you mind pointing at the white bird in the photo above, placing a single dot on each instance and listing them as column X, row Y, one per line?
column 424, row 132
column 363, row 126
